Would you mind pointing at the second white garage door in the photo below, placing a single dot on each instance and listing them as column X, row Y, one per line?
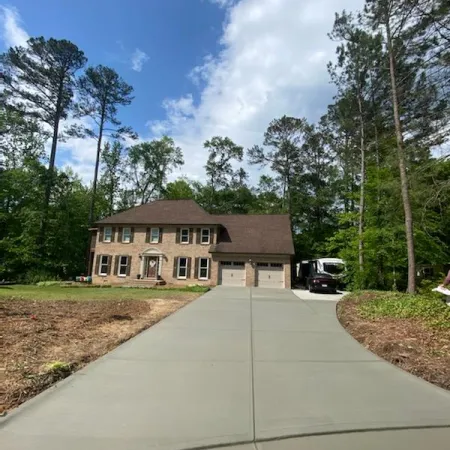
column 270, row 275
column 232, row 273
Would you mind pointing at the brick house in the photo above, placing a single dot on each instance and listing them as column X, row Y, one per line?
column 177, row 242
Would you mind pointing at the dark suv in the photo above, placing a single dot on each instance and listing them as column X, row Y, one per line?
column 321, row 282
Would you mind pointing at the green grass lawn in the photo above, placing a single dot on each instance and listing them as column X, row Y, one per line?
column 429, row 307
column 30, row 292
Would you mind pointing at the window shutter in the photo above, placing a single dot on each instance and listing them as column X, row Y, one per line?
column 100, row 235
column 191, row 235
column 188, row 268
column 113, row 232
column 119, row 237
column 197, row 264
column 97, row 264
column 160, row 235
column 108, row 271
column 177, row 238
column 131, row 235
column 147, row 236
column 116, row 264
column 199, row 232
column 211, row 235
column 129, row 266
column 175, row 264
column 209, row 268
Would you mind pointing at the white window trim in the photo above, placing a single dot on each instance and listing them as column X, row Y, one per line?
column 151, row 236
column 201, row 236
column 121, row 265
column 188, row 236
column 123, row 235
column 200, row 268
column 104, row 234
column 103, row 274
column 178, row 268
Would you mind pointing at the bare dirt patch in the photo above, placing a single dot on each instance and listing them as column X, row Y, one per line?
column 408, row 343
column 45, row 341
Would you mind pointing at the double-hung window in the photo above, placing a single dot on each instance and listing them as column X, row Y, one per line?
column 126, row 235
column 203, row 268
column 184, row 236
column 182, row 268
column 103, row 269
column 123, row 266
column 205, row 236
column 107, row 234
column 154, row 235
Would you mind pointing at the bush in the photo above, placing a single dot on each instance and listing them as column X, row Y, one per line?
column 426, row 285
column 36, row 276
column 48, row 283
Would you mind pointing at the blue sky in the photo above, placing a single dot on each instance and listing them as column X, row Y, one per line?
column 199, row 67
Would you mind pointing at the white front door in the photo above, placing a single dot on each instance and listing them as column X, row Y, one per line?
column 232, row 273
column 270, row 275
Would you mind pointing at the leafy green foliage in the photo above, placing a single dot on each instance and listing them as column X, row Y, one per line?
column 148, row 166
column 428, row 307
column 58, row 367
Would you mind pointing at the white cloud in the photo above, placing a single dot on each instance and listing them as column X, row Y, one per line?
column 273, row 62
column 138, row 59
column 12, row 33
column 224, row 3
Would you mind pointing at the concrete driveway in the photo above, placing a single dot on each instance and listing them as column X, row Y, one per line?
column 234, row 367
column 322, row 296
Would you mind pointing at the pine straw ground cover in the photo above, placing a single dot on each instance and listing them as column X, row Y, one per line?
column 412, row 332
column 43, row 341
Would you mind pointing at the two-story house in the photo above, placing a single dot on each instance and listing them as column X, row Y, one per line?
column 177, row 242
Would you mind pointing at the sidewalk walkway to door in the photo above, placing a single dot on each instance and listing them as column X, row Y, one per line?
column 236, row 366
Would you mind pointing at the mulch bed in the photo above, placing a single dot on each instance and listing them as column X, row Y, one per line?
column 407, row 343
column 34, row 334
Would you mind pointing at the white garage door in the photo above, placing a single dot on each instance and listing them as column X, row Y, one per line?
column 232, row 273
column 270, row 275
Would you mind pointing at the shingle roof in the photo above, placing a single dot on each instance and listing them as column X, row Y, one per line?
column 268, row 234
column 262, row 233
column 163, row 212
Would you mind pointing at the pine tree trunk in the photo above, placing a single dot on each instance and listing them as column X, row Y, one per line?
column 111, row 199
column 362, row 187
column 50, row 172
column 97, row 164
column 409, row 226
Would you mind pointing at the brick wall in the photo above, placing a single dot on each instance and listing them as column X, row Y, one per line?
column 168, row 246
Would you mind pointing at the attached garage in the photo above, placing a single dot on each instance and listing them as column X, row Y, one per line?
column 232, row 273
column 270, row 275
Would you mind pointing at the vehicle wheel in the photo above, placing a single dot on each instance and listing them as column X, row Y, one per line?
column 311, row 289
